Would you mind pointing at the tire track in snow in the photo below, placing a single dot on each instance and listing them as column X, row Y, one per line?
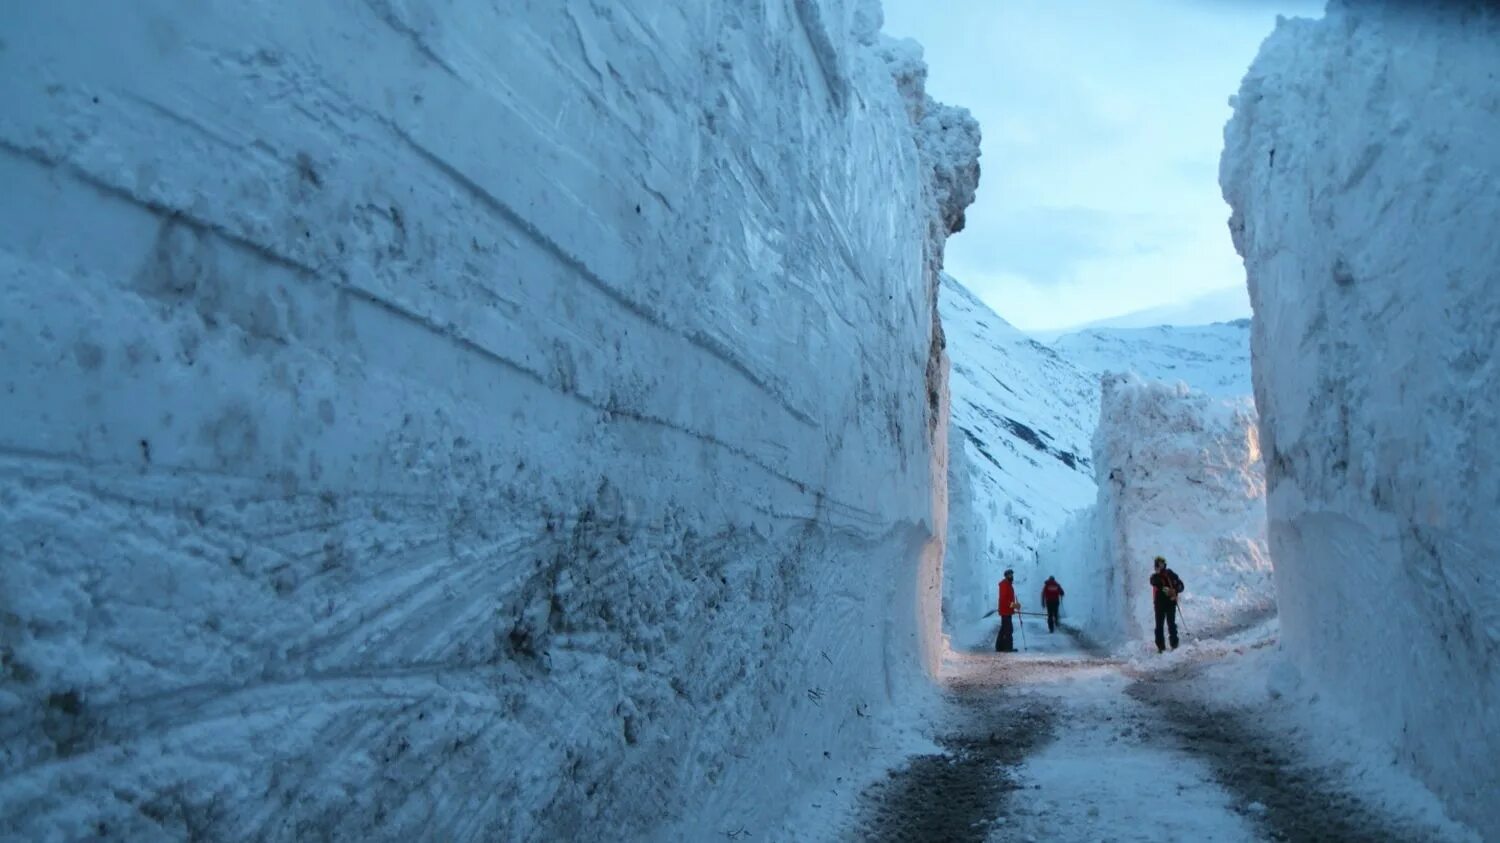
column 1059, row 747
column 1288, row 799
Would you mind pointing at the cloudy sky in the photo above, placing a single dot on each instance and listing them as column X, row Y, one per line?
column 1102, row 122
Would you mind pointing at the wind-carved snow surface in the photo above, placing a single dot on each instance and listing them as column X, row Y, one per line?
column 1179, row 476
column 448, row 421
column 1364, row 174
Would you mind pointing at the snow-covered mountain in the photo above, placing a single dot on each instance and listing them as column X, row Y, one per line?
column 464, row 420
column 1023, row 417
column 1214, row 359
column 1364, row 175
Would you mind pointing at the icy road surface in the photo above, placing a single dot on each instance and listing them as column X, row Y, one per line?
column 1057, row 744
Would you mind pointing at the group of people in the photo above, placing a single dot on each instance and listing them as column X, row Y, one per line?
column 1052, row 595
column 1165, row 588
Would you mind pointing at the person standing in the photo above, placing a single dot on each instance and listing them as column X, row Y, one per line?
column 1005, row 642
column 1165, row 586
column 1052, row 595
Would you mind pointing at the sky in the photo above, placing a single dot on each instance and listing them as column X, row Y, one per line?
column 1103, row 122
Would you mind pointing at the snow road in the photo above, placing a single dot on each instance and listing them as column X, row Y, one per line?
column 1059, row 744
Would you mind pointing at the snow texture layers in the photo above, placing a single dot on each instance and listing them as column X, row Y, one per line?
column 1364, row 175
column 1179, row 475
column 453, row 421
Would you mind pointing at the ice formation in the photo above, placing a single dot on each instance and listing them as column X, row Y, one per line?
column 462, row 421
column 1362, row 168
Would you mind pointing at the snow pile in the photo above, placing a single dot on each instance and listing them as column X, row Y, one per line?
column 1179, row 476
column 1364, row 175
column 458, row 421
column 1210, row 358
column 1022, row 416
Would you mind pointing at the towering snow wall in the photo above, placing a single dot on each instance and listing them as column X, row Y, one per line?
column 1362, row 167
column 453, row 421
column 1179, row 475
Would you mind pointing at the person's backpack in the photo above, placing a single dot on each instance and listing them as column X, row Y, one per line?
column 1177, row 585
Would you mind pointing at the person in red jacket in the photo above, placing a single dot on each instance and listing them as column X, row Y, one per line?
column 1005, row 642
column 1052, row 595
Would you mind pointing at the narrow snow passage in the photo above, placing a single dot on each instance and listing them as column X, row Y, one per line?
column 1057, row 744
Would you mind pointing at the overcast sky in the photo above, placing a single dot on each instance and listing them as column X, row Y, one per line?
column 1103, row 121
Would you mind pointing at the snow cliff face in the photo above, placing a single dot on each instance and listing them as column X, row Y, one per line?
column 1179, row 476
column 1362, row 167
column 454, row 421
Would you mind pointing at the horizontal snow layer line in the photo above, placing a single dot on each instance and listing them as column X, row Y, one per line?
column 315, row 266
column 159, row 487
column 446, row 332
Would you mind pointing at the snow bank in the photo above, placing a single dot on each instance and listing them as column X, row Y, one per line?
column 461, row 422
column 1179, row 476
column 1362, row 168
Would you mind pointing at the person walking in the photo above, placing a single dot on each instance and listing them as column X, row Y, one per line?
column 1165, row 586
column 1005, row 642
column 1052, row 595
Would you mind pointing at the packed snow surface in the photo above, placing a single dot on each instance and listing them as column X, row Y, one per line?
column 459, row 421
column 1364, row 175
column 1054, row 743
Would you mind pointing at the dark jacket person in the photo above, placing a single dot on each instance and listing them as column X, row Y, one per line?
column 1165, row 586
column 1052, row 595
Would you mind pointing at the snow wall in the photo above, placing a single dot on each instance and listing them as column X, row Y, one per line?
column 1364, row 175
column 1179, row 475
column 450, row 421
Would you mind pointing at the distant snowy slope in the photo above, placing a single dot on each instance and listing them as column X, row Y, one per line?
column 1210, row 358
column 1022, row 416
